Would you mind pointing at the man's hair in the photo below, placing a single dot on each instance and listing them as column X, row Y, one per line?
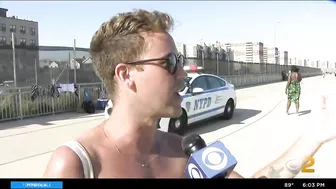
column 121, row 40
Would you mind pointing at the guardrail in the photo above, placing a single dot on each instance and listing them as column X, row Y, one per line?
column 16, row 103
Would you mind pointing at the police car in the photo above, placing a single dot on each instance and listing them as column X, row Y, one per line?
column 204, row 96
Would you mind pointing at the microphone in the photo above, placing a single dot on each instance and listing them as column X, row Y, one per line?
column 213, row 161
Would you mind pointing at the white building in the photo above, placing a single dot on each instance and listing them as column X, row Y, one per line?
column 248, row 52
column 283, row 56
column 273, row 55
column 25, row 31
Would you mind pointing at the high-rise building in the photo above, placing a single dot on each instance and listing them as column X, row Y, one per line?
column 258, row 54
column 181, row 48
column 265, row 55
column 283, row 56
column 248, row 52
column 273, row 55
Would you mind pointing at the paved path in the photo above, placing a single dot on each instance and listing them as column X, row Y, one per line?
column 259, row 132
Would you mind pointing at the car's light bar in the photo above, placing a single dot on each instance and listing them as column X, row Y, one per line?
column 193, row 69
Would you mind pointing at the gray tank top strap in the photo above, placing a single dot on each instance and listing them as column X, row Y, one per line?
column 79, row 149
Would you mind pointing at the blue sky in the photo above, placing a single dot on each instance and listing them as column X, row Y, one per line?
column 306, row 29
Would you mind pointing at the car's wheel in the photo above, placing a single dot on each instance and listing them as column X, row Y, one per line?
column 229, row 109
column 176, row 125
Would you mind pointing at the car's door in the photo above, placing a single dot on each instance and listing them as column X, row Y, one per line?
column 218, row 94
column 200, row 103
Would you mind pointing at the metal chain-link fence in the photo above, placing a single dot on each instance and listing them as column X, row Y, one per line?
column 227, row 68
column 45, row 65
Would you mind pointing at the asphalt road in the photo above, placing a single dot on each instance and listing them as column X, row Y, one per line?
column 258, row 133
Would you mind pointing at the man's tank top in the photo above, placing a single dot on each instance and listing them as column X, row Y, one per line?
column 84, row 157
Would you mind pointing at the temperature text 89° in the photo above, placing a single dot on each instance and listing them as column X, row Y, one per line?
column 289, row 184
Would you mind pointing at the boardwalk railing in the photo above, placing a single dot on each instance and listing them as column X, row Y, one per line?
column 16, row 103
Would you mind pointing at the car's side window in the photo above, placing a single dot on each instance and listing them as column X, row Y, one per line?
column 214, row 82
column 222, row 82
column 200, row 82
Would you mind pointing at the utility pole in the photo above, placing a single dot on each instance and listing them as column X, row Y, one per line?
column 14, row 60
column 74, row 60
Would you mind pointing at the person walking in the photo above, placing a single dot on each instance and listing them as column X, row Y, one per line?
column 293, row 89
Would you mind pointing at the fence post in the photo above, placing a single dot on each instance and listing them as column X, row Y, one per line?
column 228, row 66
column 245, row 67
column 79, row 96
column 102, row 89
column 203, row 59
column 52, row 99
column 20, row 104
column 217, row 65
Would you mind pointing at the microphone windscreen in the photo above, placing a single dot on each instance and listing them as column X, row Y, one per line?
column 190, row 141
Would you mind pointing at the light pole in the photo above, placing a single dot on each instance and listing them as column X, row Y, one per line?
column 275, row 54
column 202, row 44
column 228, row 58
column 75, row 62
column 14, row 61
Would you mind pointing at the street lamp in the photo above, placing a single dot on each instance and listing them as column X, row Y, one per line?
column 14, row 61
column 75, row 62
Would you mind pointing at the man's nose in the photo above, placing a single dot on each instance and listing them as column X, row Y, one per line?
column 180, row 72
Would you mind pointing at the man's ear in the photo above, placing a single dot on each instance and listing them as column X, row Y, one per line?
column 123, row 74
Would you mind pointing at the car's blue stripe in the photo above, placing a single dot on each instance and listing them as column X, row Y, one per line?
column 208, row 91
column 206, row 112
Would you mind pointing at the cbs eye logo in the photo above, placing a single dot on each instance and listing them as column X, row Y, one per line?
column 294, row 166
column 194, row 172
column 214, row 158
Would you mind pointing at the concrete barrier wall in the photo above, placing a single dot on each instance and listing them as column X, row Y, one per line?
column 250, row 80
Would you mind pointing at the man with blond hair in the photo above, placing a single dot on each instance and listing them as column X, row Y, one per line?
column 136, row 58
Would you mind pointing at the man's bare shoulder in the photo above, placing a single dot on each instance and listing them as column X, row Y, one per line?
column 64, row 163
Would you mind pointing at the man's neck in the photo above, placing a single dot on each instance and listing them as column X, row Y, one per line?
column 132, row 132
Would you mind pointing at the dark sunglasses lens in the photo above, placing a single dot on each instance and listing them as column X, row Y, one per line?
column 172, row 63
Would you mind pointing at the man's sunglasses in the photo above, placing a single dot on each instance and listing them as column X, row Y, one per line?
column 172, row 60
